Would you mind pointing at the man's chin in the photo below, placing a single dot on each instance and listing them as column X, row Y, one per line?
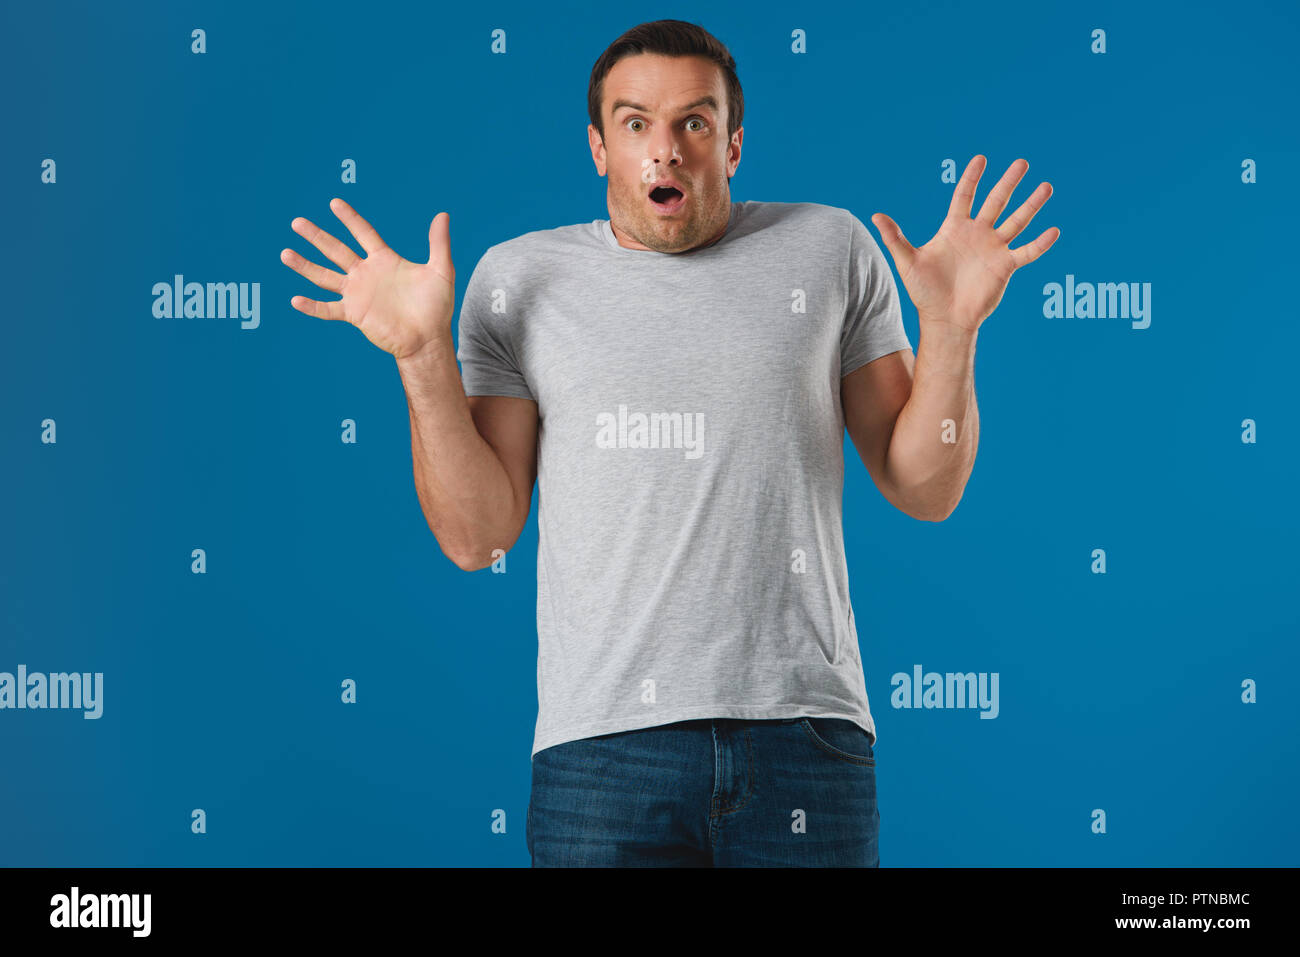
column 667, row 244
column 664, row 234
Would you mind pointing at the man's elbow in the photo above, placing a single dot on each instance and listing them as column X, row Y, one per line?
column 467, row 564
column 933, row 500
column 467, row 559
column 463, row 558
column 935, row 516
column 471, row 552
column 930, row 512
column 480, row 556
column 473, row 561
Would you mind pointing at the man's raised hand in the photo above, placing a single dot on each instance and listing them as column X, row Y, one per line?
column 399, row 305
column 959, row 276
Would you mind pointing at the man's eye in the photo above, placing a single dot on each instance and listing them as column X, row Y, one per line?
column 696, row 120
column 634, row 121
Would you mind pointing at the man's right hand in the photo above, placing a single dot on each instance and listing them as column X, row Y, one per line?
column 399, row 305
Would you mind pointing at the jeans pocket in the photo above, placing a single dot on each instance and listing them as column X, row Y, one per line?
column 841, row 738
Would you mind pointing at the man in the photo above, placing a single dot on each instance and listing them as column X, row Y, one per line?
column 678, row 379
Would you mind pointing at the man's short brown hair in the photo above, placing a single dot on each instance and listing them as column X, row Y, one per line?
column 667, row 38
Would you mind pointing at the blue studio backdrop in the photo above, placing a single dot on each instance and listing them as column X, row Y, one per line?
column 183, row 516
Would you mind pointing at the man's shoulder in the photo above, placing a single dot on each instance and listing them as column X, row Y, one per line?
column 817, row 227
column 802, row 213
column 540, row 245
column 828, row 222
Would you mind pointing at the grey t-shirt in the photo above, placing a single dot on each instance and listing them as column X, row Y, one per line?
column 690, row 461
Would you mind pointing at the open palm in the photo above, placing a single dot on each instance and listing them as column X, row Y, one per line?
column 959, row 276
column 399, row 305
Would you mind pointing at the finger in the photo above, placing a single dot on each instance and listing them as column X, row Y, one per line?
column 895, row 242
column 321, row 310
column 361, row 230
column 1000, row 194
column 1017, row 221
column 1024, row 255
column 335, row 250
column 327, row 279
column 440, row 246
column 964, row 195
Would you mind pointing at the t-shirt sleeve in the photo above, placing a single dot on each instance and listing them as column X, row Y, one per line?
column 488, row 347
column 873, row 315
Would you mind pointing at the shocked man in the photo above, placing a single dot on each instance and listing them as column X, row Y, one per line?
column 677, row 380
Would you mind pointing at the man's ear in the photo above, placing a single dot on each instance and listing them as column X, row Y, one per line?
column 597, row 148
column 734, row 147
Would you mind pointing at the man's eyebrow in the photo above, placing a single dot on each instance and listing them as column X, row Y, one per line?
column 706, row 100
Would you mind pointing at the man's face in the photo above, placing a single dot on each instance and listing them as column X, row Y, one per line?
column 666, row 120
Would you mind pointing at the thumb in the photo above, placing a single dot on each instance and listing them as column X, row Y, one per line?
column 895, row 241
column 440, row 243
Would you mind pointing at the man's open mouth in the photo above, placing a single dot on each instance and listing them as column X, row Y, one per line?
column 667, row 199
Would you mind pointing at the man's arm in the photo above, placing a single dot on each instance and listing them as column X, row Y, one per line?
column 918, row 438
column 475, row 458
column 915, row 422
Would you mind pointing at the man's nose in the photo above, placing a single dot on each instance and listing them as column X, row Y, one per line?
column 665, row 150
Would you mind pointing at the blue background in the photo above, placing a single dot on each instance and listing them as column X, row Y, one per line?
column 221, row 691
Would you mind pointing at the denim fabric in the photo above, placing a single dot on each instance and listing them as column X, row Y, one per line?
column 714, row 792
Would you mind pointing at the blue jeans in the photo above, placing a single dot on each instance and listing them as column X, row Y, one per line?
column 714, row 792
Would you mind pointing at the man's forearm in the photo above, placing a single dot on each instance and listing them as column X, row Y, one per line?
column 932, row 449
column 463, row 488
